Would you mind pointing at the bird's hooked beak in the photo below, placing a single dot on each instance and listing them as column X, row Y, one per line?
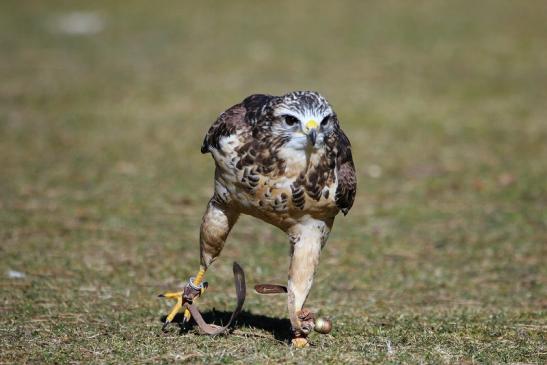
column 311, row 131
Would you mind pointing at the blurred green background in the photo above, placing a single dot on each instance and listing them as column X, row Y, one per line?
column 103, row 106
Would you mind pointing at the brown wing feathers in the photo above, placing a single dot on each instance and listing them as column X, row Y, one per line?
column 225, row 125
column 238, row 116
column 347, row 181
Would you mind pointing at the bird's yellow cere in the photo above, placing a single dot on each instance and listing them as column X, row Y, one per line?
column 311, row 124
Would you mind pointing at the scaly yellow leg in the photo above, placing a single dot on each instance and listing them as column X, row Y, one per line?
column 176, row 308
column 197, row 281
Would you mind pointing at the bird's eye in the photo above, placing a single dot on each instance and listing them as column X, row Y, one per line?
column 290, row 120
column 325, row 120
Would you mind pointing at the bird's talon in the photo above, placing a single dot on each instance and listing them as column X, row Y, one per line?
column 306, row 319
column 300, row 342
column 187, row 295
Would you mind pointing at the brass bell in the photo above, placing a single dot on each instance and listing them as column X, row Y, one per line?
column 323, row 325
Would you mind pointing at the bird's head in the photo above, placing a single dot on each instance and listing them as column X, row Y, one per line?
column 303, row 119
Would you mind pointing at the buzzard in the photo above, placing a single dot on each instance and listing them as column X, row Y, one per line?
column 284, row 160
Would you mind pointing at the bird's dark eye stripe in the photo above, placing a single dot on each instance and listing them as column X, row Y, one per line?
column 325, row 120
column 290, row 120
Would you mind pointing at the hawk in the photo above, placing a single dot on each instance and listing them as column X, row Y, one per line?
column 284, row 160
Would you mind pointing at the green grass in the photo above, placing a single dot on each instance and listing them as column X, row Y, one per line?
column 102, row 184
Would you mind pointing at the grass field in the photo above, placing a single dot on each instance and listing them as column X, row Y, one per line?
column 102, row 184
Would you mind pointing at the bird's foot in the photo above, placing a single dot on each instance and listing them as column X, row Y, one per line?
column 306, row 320
column 300, row 342
column 190, row 293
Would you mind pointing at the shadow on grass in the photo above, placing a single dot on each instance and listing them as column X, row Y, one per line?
column 278, row 327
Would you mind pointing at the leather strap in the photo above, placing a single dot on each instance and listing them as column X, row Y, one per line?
column 270, row 289
column 211, row 329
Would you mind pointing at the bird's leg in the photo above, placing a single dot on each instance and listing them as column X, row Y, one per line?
column 217, row 222
column 307, row 241
column 191, row 291
column 190, row 295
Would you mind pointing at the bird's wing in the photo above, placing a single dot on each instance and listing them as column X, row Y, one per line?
column 345, row 171
column 238, row 117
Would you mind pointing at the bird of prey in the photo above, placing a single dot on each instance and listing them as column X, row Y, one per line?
column 284, row 160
